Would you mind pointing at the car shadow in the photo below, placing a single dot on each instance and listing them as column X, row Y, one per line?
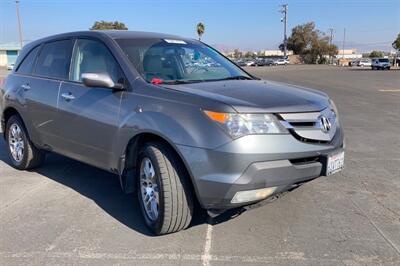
column 103, row 188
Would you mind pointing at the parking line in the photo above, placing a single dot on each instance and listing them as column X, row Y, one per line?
column 206, row 257
column 392, row 90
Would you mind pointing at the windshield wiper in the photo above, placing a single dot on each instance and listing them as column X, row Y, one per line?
column 178, row 81
column 237, row 78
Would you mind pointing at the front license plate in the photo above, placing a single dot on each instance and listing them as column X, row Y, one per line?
column 335, row 163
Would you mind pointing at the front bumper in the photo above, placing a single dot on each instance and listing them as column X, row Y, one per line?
column 254, row 162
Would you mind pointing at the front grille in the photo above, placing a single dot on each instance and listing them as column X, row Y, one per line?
column 312, row 127
column 294, row 134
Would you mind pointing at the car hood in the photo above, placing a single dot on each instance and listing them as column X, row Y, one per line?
column 257, row 96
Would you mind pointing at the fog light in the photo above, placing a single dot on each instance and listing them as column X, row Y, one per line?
column 253, row 195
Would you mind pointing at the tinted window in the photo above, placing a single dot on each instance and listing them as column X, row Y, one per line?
column 92, row 56
column 54, row 59
column 28, row 63
column 384, row 60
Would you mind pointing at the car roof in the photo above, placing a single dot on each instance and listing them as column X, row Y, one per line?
column 113, row 34
column 125, row 34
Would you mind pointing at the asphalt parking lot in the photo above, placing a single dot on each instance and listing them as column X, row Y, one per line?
column 69, row 213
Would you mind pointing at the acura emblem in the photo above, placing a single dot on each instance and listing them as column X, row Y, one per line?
column 325, row 124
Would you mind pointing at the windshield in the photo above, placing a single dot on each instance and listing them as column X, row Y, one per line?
column 383, row 60
column 178, row 61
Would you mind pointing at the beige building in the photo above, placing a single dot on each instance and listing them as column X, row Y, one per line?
column 348, row 54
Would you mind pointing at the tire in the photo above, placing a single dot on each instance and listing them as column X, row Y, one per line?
column 175, row 204
column 29, row 157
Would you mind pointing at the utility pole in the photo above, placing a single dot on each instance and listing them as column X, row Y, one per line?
column 19, row 24
column 330, row 35
column 330, row 43
column 344, row 40
column 284, row 11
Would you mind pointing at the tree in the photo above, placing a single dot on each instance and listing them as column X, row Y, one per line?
column 200, row 28
column 108, row 25
column 249, row 54
column 237, row 53
column 376, row 54
column 396, row 43
column 310, row 43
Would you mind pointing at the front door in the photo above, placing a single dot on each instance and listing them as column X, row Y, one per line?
column 88, row 117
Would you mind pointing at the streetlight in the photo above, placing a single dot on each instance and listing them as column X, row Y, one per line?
column 19, row 23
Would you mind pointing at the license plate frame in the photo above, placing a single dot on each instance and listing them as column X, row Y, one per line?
column 333, row 163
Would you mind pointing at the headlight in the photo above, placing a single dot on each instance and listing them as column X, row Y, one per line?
column 334, row 108
column 237, row 125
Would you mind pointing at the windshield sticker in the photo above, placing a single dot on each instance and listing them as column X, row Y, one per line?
column 175, row 41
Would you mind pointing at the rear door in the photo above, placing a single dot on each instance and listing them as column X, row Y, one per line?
column 40, row 80
column 88, row 117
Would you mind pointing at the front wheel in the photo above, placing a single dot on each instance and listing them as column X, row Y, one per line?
column 164, row 192
column 23, row 154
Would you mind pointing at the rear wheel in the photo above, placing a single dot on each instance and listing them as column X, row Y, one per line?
column 23, row 154
column 164, row 193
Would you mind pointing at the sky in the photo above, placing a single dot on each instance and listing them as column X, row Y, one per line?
column 244, row 24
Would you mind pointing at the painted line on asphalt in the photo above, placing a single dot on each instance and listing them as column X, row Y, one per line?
column 391, row 90
column 206, row 257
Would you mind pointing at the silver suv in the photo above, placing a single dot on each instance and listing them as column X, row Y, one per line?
column 380, row 63
column 175, row 120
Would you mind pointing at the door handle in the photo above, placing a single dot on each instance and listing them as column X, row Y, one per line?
column 26, row 87
column 68, row 96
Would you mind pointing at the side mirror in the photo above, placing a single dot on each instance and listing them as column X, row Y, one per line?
column 102, row 80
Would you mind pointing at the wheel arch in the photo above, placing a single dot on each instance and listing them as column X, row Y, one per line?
column 7, row 113
column 128, row 165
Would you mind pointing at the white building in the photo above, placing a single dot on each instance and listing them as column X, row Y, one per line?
column 8, row 53
column 274, row 53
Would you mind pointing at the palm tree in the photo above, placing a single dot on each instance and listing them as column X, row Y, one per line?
column 200, row 29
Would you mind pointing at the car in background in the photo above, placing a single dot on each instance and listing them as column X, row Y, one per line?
column 380, row 63
column 240, row 62
column 354, row 63
column 281, row 61
column 364, row 63
column 10, row 66
column 264, row 62
column 251, row 63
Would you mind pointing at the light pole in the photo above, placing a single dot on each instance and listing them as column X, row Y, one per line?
column 330, row 43
column 19, row 24
column 284, row 11
column 344, row 40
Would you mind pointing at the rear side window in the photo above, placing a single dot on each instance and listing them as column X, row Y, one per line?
column 54, row 60
column 28, row 63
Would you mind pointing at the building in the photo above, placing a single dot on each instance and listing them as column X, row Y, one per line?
column 274, row 53
column 348, row 54
column 8, row 53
